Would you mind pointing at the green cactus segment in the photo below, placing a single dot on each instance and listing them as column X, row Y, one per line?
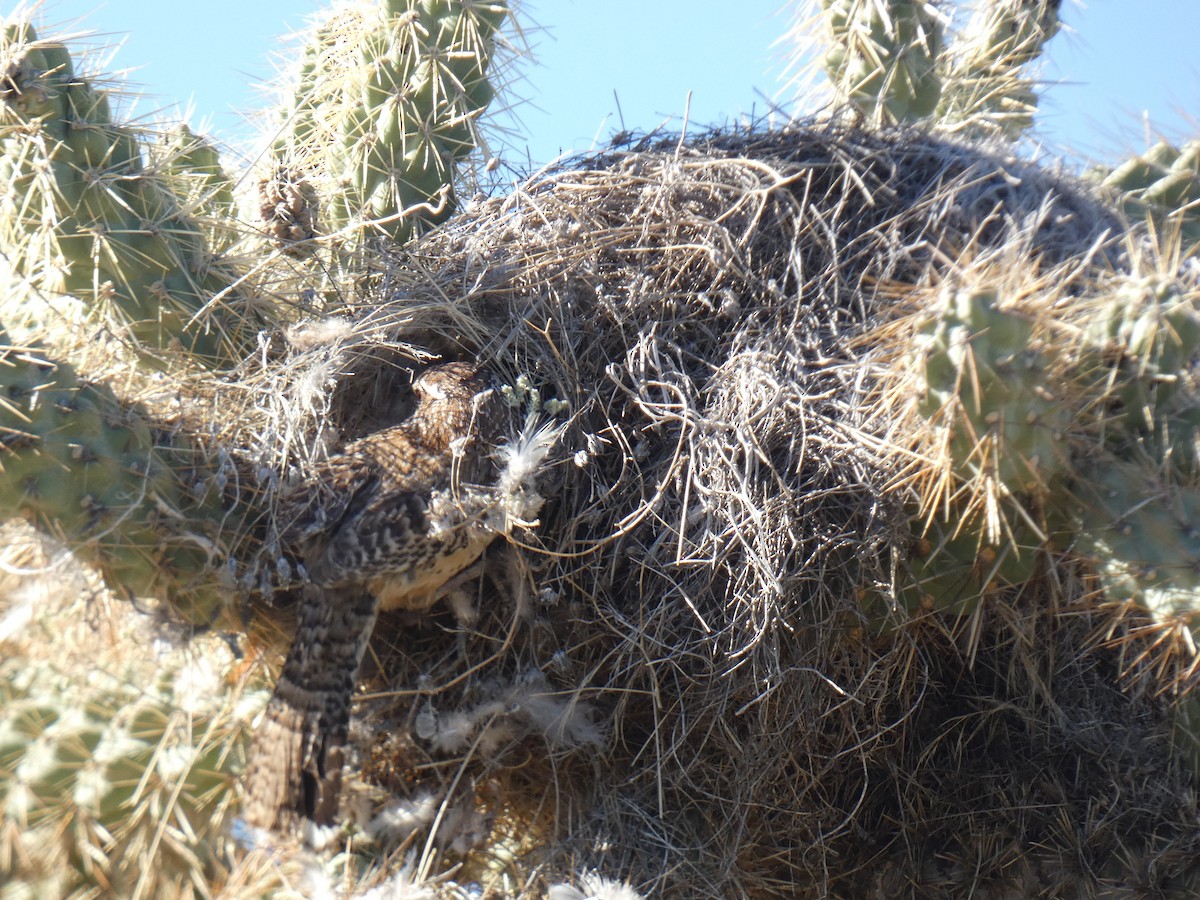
column 92, row 756
column 83, row 466
column 986, row 84
column 995, row 413
column 1149, row 335
column 893, row 62
column 884, row 55
column 1143, row 531
column 1138, row 501
column 1012, row 33
column 100, row 774
column 196, row 163
column 387, row 105
column 987, row 390
column 1087, row 443
column 84, row 217
column 954, row 572
column 1162, row 185
column 191, row 166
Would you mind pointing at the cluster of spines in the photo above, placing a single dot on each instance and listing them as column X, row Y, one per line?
column 989, row 88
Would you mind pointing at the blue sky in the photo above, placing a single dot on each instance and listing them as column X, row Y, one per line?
column 1124, row 64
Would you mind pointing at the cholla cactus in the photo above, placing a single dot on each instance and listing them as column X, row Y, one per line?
column 118, row 753
column 84, row 466
column 901, row 62
column 986, row 387
column 201, row 181
column 87, row 225
column 883, row 57
column 1058, row 424
column 988, row 88
column 101, row 768
column 1161, row 185
column 385, row 108
column 996, row 429
column 1140, row 498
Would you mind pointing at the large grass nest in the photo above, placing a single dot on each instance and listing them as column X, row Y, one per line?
column 674, row 677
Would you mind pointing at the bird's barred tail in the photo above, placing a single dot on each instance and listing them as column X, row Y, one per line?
column 294, row 766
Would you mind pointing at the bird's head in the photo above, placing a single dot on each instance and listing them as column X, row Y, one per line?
column 453, row 382
column 454, row 400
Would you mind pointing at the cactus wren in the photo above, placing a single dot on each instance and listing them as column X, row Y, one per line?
column 378, row 529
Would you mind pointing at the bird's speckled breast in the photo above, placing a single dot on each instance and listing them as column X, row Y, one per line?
column 417, row 587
